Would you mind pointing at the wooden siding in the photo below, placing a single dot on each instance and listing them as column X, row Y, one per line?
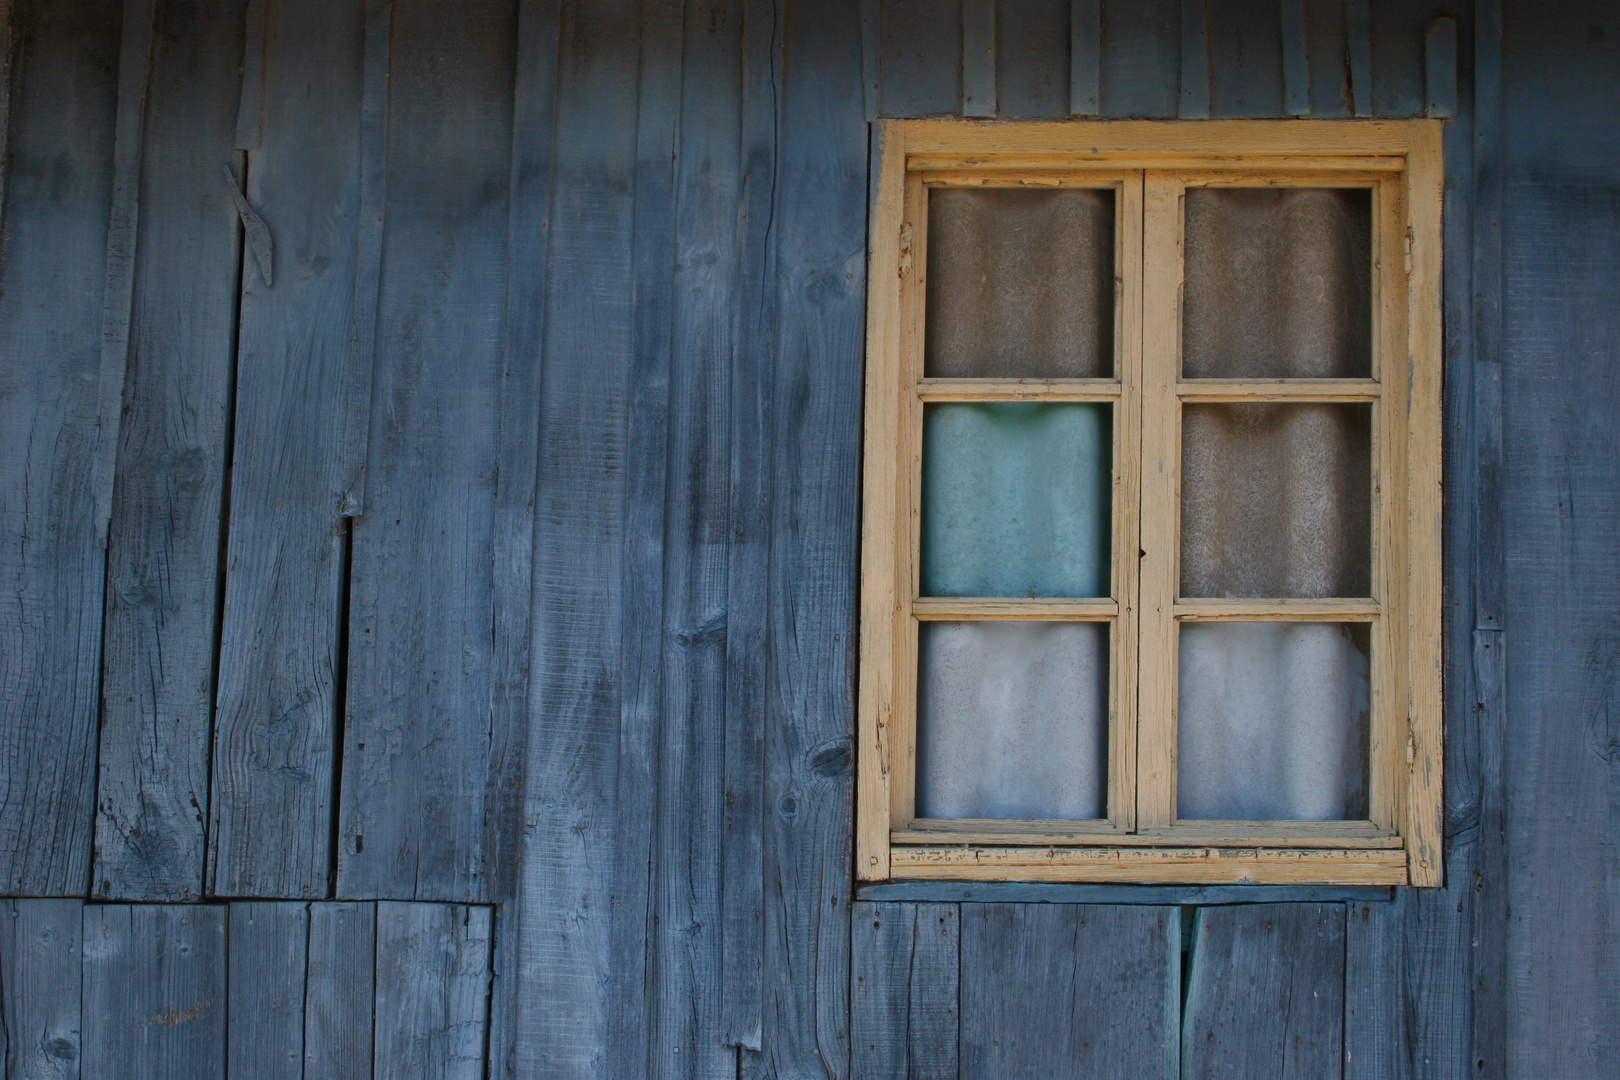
column 437, row 657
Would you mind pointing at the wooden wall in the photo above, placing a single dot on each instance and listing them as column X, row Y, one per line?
column 429, row 570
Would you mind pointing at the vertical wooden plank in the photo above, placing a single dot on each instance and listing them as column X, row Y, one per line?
column 6, row 42
column 903, row 991
column 357, row 397
column 821, row 259
column 1070, row 991
column 567, row 861
column 432, row 990
column 634, row 1047
column 1194, row 99
column 1141, row 58
column 264, row 1025
column 275, row 722
column 1085, row 41
column 40, row 988
column 1396, row 48
column 872, row 55
column 1244, row 58
column 163, row 551
column 154, row 990
column 1440, row 68
column 922, row 57
column 249, row 113
column 1359, row 31
column 63, row 105
column 1328, row 55
column 339, row 990
column 1265, row 996
column 1296, row 60
column 742, row 898
column 134, row 63
column 978, row 57
column 1032, row 65
column 1407, row 982
column 419, row 744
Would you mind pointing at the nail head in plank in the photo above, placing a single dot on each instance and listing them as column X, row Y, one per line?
column 1440, row 68
column 978, row 57
column 265, row 1016
column 40, row 987
column 903, row 990
column 432, row 990
column 339, row 990
column 1296, row 60
column 1085, row 57
column 1194, row 98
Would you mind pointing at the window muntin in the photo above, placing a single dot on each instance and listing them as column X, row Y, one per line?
column 954, row 744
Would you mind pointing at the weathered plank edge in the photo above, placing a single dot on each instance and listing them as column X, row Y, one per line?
column 1019, row 892
column 1085, row 57
column 1358, row 27
column 1296, row 60
column 249, row 117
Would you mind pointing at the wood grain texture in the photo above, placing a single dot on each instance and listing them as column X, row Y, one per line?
column 432, row 990
column 1245, row 58
column 1069, row 991
column 415, row 815
column 264, row 1025
column 1141, row 58
column 154, row 990
column 1036, row 892
column 567, row 862
column 339, row 990
column 1194, row 96
column 1032, row 59
column 921, row 57
column 275, row 734
column 903, row 991
column 163, row 546
column 63, row 100
column 1327, row 44
column 41, row 969
column 1085, row 56
column 1359, row 50
column 1265, row 995
column 816, row 408
column 249, row 116
column 1440, row 68
column 1296, row 57
column 979, row 57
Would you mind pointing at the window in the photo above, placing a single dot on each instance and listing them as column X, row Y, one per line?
column 1151, row 535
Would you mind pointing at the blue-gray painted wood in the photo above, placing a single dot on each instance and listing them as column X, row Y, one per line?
column 340, row 991
column 1296, row 59
column 432, row 1002
column 1440, row 68
column 1245, row 59
column 742, row 884
column 922, row 57
column 1032, row 59
column 1194, row 97
column 1359, row 50
column 249, row 115
column 1085, row 69
column 1020, row 892
column 1397, row 33
column 41, row 972
column 264, row 1025
column 414, row 808
column 903, row 991
column 1141, row 58
column 1328, row 54
column 1070, row 991
column 154, row 990
column 1265, row 993
column 872, row 56
column 276, row 717
column 979, row 57
column 567, row 862
column 163, row 550
column 816, row 411
column 63, row 101
column 357, row 397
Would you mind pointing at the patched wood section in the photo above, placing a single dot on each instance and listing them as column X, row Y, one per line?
column 41, row 986
column 903, row 991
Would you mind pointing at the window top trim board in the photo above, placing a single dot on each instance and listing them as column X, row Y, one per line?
column 1121, row 141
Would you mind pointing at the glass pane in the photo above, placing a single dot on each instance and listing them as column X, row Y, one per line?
column 1020, row 283
column 1012, row 720
column 1276, row 500
column 1278, row 283
column 1273, row 721
column 1015, row 500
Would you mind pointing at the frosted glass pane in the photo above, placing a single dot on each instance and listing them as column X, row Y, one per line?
column 1278, row 283
column 1015, row 500
column 1020, row 283
column 1012, row 720
column 1273, row 721
column 1276, row 500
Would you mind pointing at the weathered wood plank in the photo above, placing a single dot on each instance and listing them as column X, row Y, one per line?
column 41, row 968
column 1032, row 66
column 415, row 817
column 1327, row 37
column 1357, row 21
column 163, row 545
column 1036, row 892
column 1244, row 58
column 748, row 541
column 1194, row 98
column 1296, row 57
column 820, row 275
column 1070, row 991
column 63, row 100
column 264, row 1026
column 1396, row 49
column 1141, row 58
column 872, row 56
column 154, row 990
column 275, row 735
column 634, row 1048
column 1440, row 68
column 569, row 813
column 1085, row 57
column 903, row 991
column 922, row 57
column 979, row 61
column 432, row 990
column 249, row 115
column 1265, row 996
column 339, row 990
